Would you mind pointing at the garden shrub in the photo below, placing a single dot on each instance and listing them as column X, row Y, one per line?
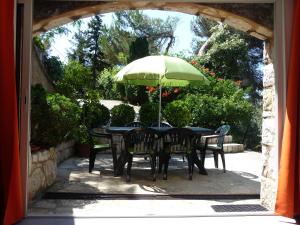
column 95, row 114
column 53, row 117
column 211, row 112
column 149, row 113
column 177, row 113
column 134, row 94
column 108, row 87
column 122, row 114
column 76, row 81
column 54, row 68
column 65, row 116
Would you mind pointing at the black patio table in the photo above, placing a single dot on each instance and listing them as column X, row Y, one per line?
column 121, row 130
column 160, row 130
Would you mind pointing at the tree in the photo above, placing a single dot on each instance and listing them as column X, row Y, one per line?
column 158, row 32
column 95, row 54
column 202, row 28
column 79, row 53
column 234, row 55
column 115, row 44
column 76, row 82
column 139, row 48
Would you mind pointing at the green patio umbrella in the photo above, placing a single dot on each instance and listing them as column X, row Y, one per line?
column 160, row 71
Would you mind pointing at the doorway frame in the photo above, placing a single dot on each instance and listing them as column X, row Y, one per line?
column 282, row 27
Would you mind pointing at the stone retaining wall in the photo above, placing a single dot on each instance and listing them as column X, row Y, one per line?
column 43, row 167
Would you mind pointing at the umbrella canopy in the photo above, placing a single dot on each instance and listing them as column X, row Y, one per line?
column 160, row 71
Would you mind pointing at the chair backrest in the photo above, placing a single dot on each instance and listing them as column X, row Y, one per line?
column 133, row 124
column 140, row 140
column 222, row 131
column 98, row 137
column 162, row 124
column 180, row 138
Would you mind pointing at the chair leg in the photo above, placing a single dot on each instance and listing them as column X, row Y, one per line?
column 190, row 165
column 198, row 163
column 121, row 161
column 92, row 160
column 223, row 161
column 153, row 167
column 129, row 165
column 114, row 156
column 161, row 160
column 202, row 156
column 166, row 165
column 216, row 159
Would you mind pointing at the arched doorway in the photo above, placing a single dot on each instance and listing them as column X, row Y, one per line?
column 218, row 14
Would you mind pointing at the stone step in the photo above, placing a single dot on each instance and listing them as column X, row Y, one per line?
column 233, row 147
column 227, row 139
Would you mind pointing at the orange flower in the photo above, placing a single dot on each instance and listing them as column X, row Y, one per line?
column 238, row 82
column 219, row 79
column 150, row 89
column 193, row 62
column 176, row 90
column 212, row 74
column 165, row 94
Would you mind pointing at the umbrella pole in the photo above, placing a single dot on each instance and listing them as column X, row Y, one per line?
column 159, row 107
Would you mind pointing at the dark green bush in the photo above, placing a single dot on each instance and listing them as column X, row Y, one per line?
column 108, row 87
column 54, row 68
column 177, row 113
column 122, row 114
column 77, row 80
column 211, row 112
column 95, row 114
column 65, row 115
column 53, row 117
column 149, row 113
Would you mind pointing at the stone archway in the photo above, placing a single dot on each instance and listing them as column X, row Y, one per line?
column 250, row 18
column 255, row 19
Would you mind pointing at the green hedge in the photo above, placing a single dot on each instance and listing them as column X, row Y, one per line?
column 95, row 114
column 177, row 113
column 122, row 114
column 149, row 113
column 53, row 117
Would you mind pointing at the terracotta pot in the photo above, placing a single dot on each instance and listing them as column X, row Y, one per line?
column 82, row 150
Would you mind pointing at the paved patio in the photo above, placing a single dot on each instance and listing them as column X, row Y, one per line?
column 242, row 177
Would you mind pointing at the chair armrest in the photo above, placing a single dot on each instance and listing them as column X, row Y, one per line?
column 93, row 133
column 208, row 137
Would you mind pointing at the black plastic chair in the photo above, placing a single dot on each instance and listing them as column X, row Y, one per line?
column 177, row 141
column 96, row 140
column 140, row 141
column 216, row 149
column 133, row 124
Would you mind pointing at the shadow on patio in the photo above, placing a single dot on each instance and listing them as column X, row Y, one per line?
column 241, row 178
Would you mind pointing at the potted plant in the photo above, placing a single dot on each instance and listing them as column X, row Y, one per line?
column 82, row 145
column 93, row 115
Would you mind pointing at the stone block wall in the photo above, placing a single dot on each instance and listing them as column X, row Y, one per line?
column 42, row 167
column 38, row 73
column 269, row 175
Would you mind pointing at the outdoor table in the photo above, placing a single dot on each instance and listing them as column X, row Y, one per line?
column 160, row 130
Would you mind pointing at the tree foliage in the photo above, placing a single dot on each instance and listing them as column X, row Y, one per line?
column 234, row 55
column 95, row 55
column 76, row 82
